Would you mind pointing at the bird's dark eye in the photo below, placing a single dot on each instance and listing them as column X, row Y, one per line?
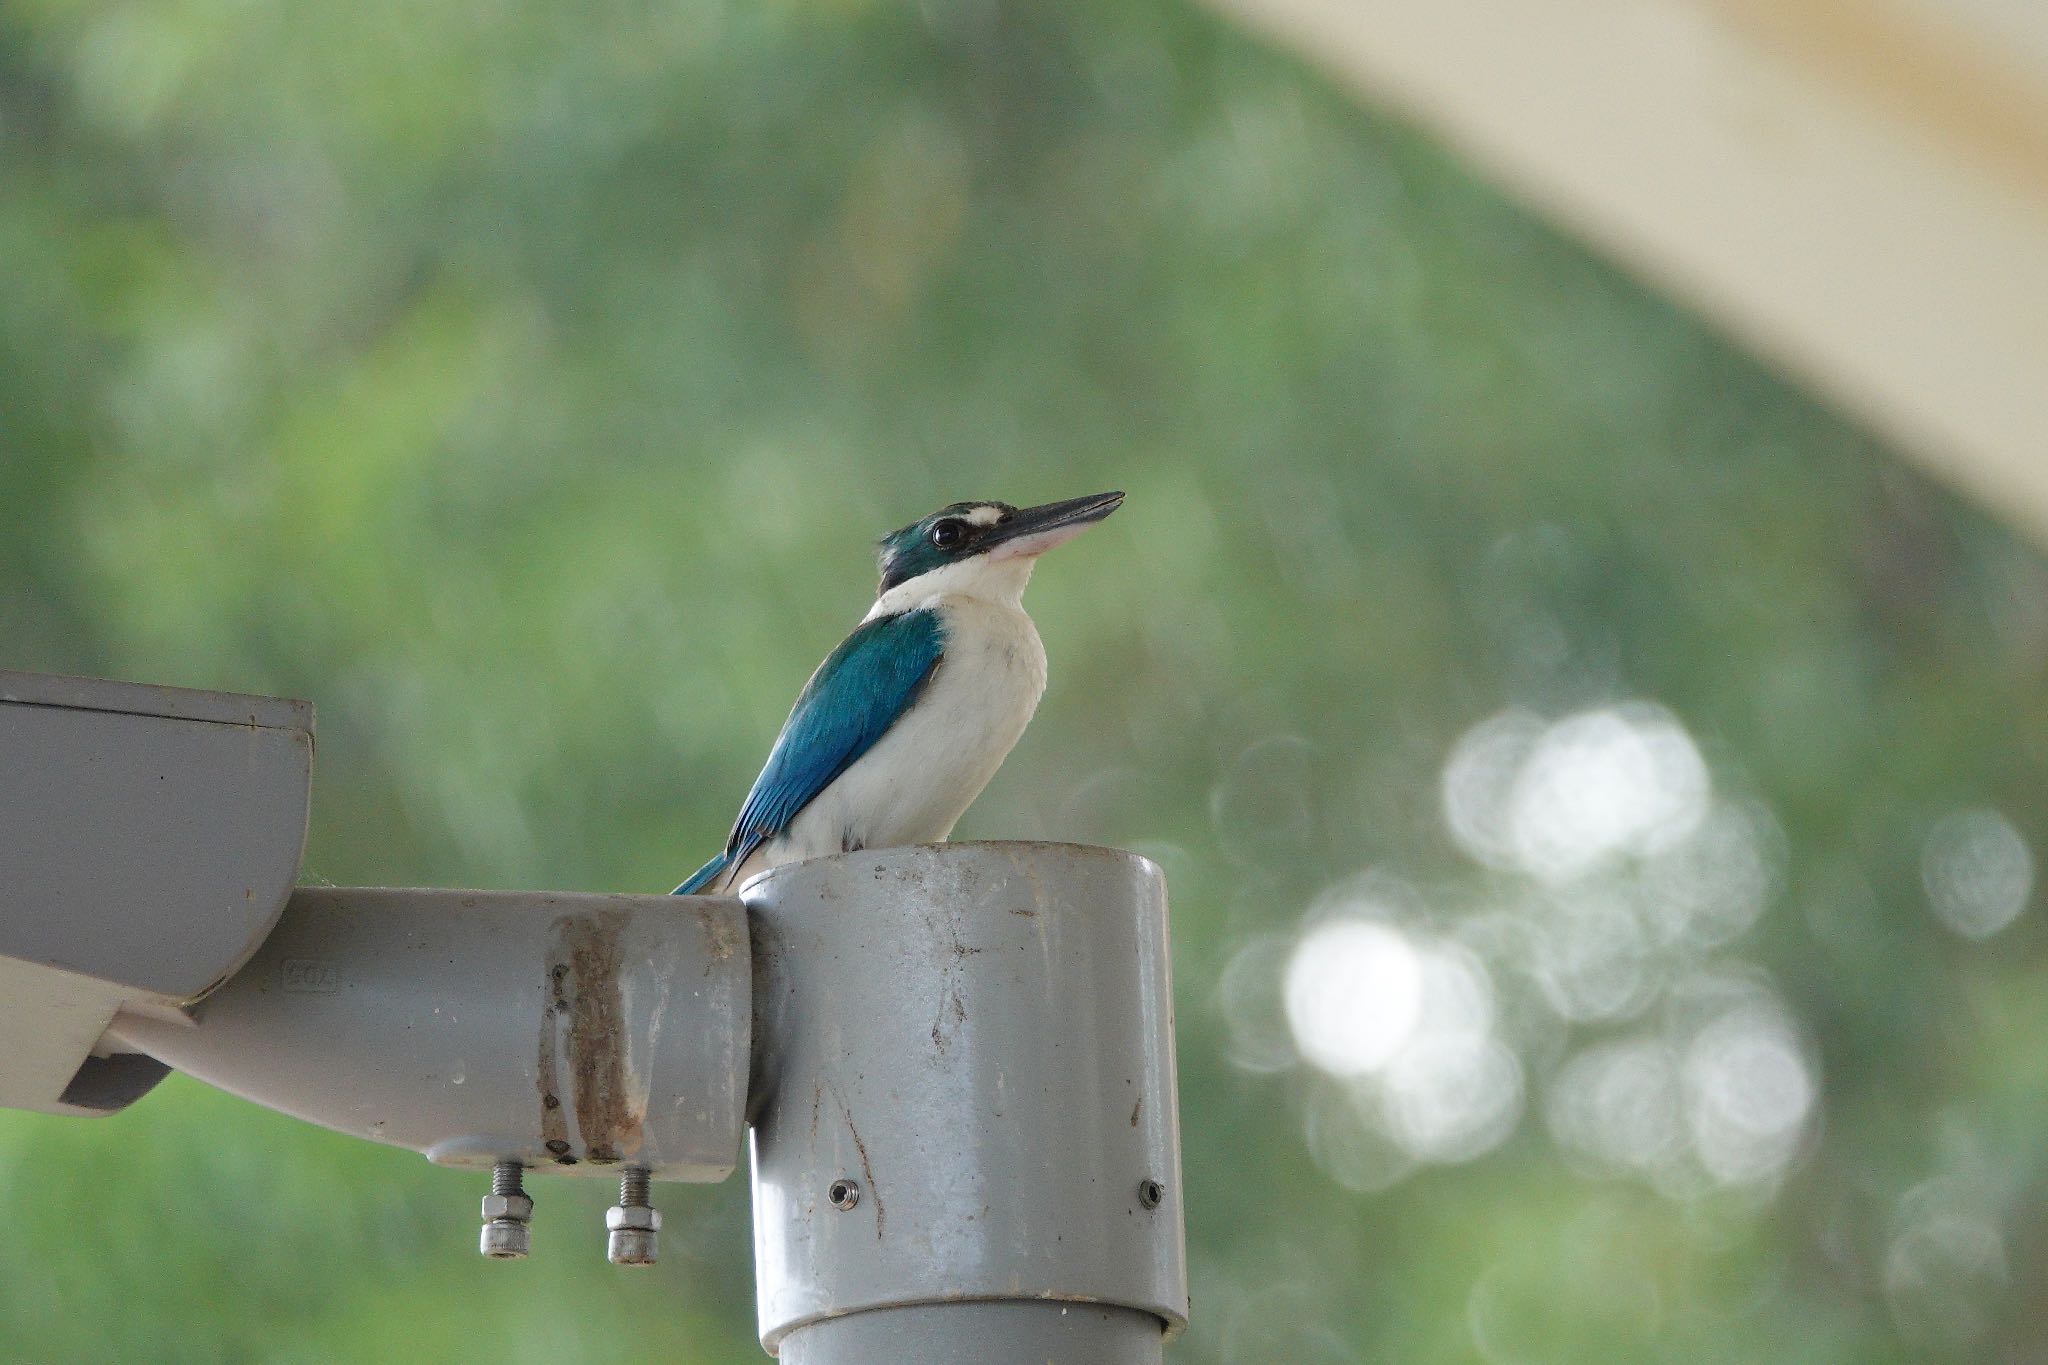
column 948, row 534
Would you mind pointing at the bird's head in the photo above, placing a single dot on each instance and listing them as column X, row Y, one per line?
column 981, row 549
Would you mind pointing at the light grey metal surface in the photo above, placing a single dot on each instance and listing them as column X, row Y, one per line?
column 979, row 1038
column 566, row 1031
column 149, row 837
column 999, row 1332
column 148, row 849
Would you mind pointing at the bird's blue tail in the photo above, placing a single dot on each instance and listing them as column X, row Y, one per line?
column 704, row 874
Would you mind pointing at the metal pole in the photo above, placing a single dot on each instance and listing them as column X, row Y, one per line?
column 965, row 1135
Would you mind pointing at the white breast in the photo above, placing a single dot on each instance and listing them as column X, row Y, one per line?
column 920, row 777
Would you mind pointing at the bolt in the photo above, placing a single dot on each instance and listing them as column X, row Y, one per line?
column 844, row 1193
column 1151, row 1193
column 507, row 1214
column 633, row 1223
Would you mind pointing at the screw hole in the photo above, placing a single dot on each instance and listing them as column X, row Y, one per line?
column 844, row 1194
column 1151, row 1193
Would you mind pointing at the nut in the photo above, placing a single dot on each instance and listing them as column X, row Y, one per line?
column 624, row 1218
column 505, row 1240
column 844, row 1193
column 516, row 1207
column 631, row 1246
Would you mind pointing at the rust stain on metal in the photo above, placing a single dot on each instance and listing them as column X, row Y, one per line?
column 554, row 1124
column 1134, row 1110
column 952, row 1005
column 881, row 1215
column 951, row 1002
column 586, row 1005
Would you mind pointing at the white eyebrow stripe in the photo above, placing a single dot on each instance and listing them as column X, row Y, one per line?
column 984, row 516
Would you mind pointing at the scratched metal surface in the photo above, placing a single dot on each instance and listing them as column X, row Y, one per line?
column 980, row 1037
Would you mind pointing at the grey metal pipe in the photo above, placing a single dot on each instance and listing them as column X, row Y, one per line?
column 966, row 1140
column 576, row 1033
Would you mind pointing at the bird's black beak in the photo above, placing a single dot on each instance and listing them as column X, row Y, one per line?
column 1034, row 530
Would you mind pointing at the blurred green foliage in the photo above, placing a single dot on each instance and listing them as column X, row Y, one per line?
column 527, row 383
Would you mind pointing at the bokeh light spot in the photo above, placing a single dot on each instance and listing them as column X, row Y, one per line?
column 1558, row 800
column 1748, row 1094
column 1451, row 1098
column 1625, row 779
column 1353, row 995
column 1978, row 872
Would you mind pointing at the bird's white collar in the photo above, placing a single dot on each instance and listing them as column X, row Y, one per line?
column 1000, row 582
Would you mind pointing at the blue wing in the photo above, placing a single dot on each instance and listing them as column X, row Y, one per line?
column 850, row 702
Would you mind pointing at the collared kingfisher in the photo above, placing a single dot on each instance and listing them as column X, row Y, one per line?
column 904, row 724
